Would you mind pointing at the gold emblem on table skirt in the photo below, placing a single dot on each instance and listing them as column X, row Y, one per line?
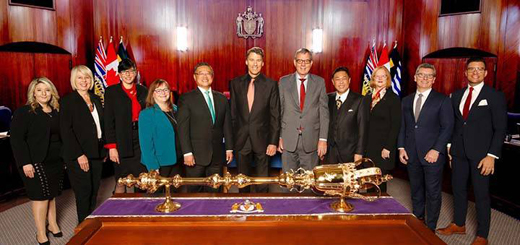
column 247, row 207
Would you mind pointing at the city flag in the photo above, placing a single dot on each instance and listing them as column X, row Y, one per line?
column 396, row 69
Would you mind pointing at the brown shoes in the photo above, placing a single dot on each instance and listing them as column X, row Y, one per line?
column 479, row 241
column 452, row 229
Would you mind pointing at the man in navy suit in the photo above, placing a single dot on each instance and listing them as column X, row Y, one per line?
column 480, row 128
column 426, row 127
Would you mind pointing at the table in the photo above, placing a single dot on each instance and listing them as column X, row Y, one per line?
column 402, row 228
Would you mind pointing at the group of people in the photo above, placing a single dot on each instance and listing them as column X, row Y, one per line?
column 142, row 130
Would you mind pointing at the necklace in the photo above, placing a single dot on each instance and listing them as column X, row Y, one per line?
column 170, row 116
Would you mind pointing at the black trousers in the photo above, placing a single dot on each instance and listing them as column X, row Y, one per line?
column 203, row 171
column 426, row 189
column 170, row 171
column 333, row 156
column 244, row 161
column 85, row 186
column 463, row 169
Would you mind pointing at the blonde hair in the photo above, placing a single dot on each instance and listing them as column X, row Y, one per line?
column 387, row 73
column 83, row 70
column 31, row 100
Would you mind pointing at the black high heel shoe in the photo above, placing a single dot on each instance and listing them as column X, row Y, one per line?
column 43, row 243
column 59, row 234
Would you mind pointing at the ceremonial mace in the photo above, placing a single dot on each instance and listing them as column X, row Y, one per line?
column 343, row 180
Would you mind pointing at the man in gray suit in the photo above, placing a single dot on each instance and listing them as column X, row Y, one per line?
column 305, row 115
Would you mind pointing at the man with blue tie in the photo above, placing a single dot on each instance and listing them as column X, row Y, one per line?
column 426, row 127
column 480, row 129
column 204, row 121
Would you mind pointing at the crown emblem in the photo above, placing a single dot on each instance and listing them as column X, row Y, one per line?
column 247, row 207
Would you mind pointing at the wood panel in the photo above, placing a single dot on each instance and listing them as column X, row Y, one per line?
column 15, row 80
column 492, row 30
column 452, row 76
column 149, row 28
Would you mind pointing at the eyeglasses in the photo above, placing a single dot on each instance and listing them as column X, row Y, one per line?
column 128, row 72
column 476, row 69
column 299, row 61
column 380, row 77
column 203, row 74
column 162, row 91
column 422, row 75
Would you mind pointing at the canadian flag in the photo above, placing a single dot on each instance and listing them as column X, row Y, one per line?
column 383, row 59
column 111, row 65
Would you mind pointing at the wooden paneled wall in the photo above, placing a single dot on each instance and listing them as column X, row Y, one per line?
column 149, row 29
column 495, row 30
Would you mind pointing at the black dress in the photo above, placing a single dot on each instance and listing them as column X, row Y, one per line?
column 39, row 134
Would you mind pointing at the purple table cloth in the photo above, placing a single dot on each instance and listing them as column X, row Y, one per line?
column 222, row 206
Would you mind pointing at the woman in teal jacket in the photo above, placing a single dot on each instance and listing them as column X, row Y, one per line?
column 158, row 131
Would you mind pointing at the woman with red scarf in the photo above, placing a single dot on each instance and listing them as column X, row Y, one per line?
column 123, row 102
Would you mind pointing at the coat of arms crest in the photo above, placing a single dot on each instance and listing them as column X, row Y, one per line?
column 250, row 24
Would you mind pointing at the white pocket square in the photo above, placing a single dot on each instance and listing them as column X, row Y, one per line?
column 483, row 103
column 350, row 110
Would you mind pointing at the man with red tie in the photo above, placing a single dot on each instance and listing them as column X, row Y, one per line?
column 255, row 114
column 305, row 115
column 480, row 128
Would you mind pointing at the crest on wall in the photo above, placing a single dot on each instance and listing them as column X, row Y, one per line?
column 250, row 24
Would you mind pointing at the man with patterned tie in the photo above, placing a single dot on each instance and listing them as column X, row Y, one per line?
column 478, row 135
column 349, row 113
column 426, row 127
column 255, row 113
column 204, row 120
column 305, row 115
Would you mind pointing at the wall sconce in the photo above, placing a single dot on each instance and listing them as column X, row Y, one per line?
column 182, row 38
column 317, row 40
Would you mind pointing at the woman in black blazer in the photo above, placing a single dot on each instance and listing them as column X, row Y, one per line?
column 123, row 102
column 36, row 144
column 384, row 122
column 81, row 129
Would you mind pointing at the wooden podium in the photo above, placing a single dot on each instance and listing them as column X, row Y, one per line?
column 326, row 229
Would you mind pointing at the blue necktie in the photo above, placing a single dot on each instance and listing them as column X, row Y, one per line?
column 210, row 105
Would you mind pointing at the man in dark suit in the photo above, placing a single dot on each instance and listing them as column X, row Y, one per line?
column 255, row 113
column 480, row 128
column 204, row 122
column 304, row 115
column 349, row 113
column 426, row 127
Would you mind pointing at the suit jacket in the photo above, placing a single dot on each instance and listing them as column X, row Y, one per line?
column 156, row 138
column 30, row 135
column 262, row 124
column 78, row 129
column 485, row 128
column 118, row 117
column 383, row 129
column 315, row 116
column 198, row 134
column 348, row 126
column 431, row 131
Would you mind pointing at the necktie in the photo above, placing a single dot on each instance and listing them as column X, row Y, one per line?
column 418, row 107
column 251, row 94
column 302, row 93
column 210, row 105
column 338, row 103
column 465, row 110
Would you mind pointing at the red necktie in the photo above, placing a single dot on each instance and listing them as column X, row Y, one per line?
column 465, row 110
column 302, row 93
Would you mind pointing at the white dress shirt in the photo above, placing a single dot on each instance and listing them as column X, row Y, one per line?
column 424, row 97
